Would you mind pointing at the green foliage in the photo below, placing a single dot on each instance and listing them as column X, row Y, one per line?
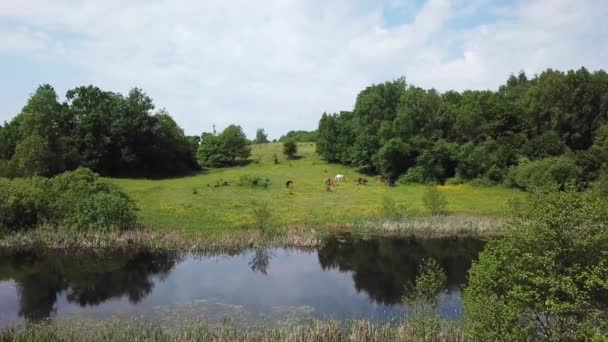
column 77, row 200
column 390, row 210
column 103, row 212
column 395, row 127
column 435, row 201
column 422, row 298
column 414, row 175
column 548, row 279
column 290, row 149
column 602, row 184
column 110, row 133
column 262, row 216
column 223, row 149
column 261, row 137
column 430, row 281
column 24, row 203
column 299, row 136
column 545, row 172
column 253, row 181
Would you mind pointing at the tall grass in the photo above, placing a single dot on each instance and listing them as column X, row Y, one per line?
column 314, row 331
column 435, row 201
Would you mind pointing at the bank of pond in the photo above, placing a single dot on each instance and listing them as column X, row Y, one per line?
column 346, row 278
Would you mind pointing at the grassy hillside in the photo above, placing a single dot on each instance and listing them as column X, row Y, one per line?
column 202, row 204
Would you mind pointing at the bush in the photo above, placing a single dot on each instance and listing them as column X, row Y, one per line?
column 434, row 201
column 545, row 172
column 414, row 175
column 75, row 199
column 390, row 210
column 24, row 203
column 547, row 280
column 602, row 184
column 254, row 181
column 103, row 212
column 262, row 217
column 290, row 149
column 422, row 299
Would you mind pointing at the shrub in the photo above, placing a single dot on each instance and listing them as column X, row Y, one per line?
column 103, row 212
column 75, row 199
column 390, row 210
column 456, row 180
column 422, row 299
column 254, row 181
column 290, row 149
column 545, row 172
column 262, row 217
column 414, row 175
column 435, row 201
column 24, row 203
column 602, row 184
column 547, row 279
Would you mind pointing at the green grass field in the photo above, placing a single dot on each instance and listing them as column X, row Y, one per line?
column 174, row 204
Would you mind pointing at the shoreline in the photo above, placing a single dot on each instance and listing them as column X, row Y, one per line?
column 303, row 237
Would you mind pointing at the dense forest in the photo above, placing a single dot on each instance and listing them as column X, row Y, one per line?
column 531, row 131
column 112, row 134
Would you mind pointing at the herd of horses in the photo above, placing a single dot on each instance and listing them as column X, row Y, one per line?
column 332, row 182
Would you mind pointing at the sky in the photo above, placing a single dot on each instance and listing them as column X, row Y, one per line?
column 279, row 64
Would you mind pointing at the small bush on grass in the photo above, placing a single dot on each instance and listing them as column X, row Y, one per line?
column 390, row 210
column 435, row 201
column 262, row 217
column 254, row 181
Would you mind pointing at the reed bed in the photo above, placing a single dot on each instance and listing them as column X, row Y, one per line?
column 301, row 237
column 314, row 331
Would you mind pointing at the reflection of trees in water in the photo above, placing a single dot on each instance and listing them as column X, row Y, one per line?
column 87, row 279
column 261, row 260
column 383, row 267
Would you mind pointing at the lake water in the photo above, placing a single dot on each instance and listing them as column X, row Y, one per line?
column 347, row 278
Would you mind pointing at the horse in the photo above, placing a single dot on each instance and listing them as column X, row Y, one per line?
column 360, row 180
column 339, row 178
column 379, row 178
column 391, row 182
column 288, row 184
column 330, row 182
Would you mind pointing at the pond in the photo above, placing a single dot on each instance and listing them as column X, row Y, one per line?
column 344, row 279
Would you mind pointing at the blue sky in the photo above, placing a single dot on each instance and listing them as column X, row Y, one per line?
column 279, row 64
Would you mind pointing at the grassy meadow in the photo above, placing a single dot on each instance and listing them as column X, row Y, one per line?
column 214, row 201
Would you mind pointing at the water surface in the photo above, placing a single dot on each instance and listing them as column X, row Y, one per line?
column 346, row 278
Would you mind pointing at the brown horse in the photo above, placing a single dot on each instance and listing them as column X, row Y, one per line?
column 330, row 182
column 360, row 180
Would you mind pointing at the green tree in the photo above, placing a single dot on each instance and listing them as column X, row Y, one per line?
column 33, row 157
column 234, row 144
column 290, row 149
column 209, row 152
column 261, row 137
column 547, row 279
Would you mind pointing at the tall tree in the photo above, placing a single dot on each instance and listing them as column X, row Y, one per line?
column 260, row 136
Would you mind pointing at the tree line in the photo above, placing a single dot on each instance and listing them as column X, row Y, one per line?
column 551, row 127
column 112, row 134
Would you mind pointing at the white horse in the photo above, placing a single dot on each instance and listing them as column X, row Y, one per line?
column 339, row 178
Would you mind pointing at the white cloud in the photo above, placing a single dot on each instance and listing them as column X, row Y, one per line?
column 279, row 64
